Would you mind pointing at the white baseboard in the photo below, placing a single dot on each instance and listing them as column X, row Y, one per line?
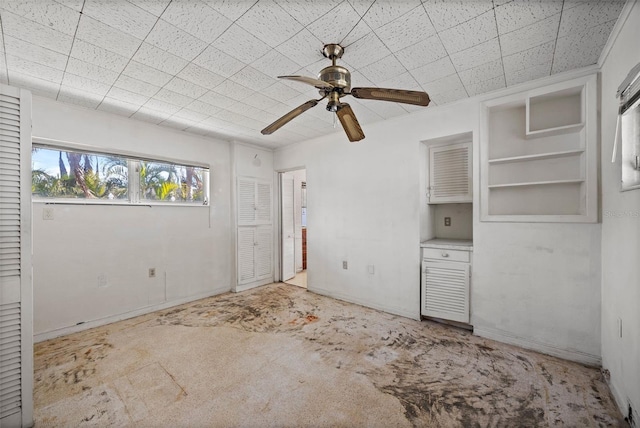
column 51, row 334
column 364, row 302
column 544, row 348
column 245, row 287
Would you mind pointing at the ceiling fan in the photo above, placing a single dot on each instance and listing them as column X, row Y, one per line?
column 334, row 82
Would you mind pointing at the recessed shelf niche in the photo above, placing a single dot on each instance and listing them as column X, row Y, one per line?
column 538, row 160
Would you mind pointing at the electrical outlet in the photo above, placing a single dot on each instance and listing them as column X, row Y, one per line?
column 152, row 272
column 47, row 213
column 447, row 221
column 102, row 280
column 344, row 264
column 371, row 269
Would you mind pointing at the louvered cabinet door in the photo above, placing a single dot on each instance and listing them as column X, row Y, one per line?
column 263, row 252
column 16, row 332
column 450, row 174
column 246, row 201
column 264, row 197
column 445, row 290
column 246, row 255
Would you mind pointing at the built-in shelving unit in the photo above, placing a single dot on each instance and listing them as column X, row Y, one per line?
column 538, row 155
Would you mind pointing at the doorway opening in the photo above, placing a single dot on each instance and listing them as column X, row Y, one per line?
column 293, row 227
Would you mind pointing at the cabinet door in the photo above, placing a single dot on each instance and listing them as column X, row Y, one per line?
column 263, row 252
column 246, row 201
column 263, row 202
column 246, row 254
column 445, row 290
column 450, row 173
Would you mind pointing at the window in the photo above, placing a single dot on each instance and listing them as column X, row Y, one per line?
column 628, row 130
column 64, row 174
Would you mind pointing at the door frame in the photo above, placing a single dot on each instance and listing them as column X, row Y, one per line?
column 278, row 224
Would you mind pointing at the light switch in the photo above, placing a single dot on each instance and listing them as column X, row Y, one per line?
column 447, row 221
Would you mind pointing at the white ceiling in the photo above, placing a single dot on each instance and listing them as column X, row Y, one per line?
column 209, row 67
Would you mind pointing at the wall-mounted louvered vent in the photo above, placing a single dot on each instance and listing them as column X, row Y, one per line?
column 14, row 215
column 450, row 173
column 445, row 292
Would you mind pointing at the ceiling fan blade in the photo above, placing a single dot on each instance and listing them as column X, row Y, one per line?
column 288, row 117
column 350, row 123
column 418, row 98
column 317, row 83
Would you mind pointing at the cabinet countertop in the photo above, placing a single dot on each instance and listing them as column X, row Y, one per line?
column 448, row 244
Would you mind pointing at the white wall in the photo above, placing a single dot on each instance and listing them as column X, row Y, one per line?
column 620, row 235
column 363, row 202
column 537, row 285
column 85, row 245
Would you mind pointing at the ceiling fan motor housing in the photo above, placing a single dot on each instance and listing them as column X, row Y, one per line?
column 338, row 76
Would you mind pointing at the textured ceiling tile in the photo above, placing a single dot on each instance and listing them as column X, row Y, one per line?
column 333, row 26
column 185, row 87
column 587, row 14
column 177, row 123
column 175, row 41
column 147, row 74
column 449, row 13
column 36, row 85
column 146, row 114
column 201, row 107
column 303, row 48
column 422, row 53
column 446, row 84
column 245, row 110
column 269, row 23
column 260, row 101
column 37, row 34
column 84, row 99
column 359, row 31
column 84, row 84
column 172, row 97
column 381, row 13
column 307, row 11
column 275, row 64
column 449, row 96
column 384, row 109
column 358, row 79
column 35, row 53
column 98, row 56
column 482, row 72
column 159, row 59
column 127, row 96
column 217, row 100
column 73, row 4
column 530, row 58
column 54, row 16
column 121, row 108
column 281, row 92
column 434, row 71
column 473, row 32
column 401, row 81
column 29, row 68
column 161, row 106
column 197, row 18
column 521, row 13
column 406, row 30
column 384, row 69
column 526, row 74
column 200, row 76
column 102, row 35
column 218, row 62
column 486, row 86
column 240, row 44
column 154, row 7
column 232, row 9
column 476, row 55
column 361, row 6
column 121, row 15
column 232, row 90
column 252, row 78
column 192, row 115
column 91, row 71
column 581, row 49
column 365, row 51
column 136, row 85
column 530, row 36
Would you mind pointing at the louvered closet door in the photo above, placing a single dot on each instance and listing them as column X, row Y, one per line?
column 246, row 254
column 16, row 342
column 246, row 201
column 445, row 292
column 263, row 202
column 264, row 252
column 450, row 173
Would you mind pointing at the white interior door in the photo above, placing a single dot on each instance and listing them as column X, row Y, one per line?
column 288, row 230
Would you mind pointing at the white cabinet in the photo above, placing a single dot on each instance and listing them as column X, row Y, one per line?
column 539, row 155
column 445, row 282
column 255, row 231
column 450, row 173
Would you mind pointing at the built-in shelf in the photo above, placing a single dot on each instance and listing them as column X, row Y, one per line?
column 540, row 156
column 535, row 183
column 559, row 130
